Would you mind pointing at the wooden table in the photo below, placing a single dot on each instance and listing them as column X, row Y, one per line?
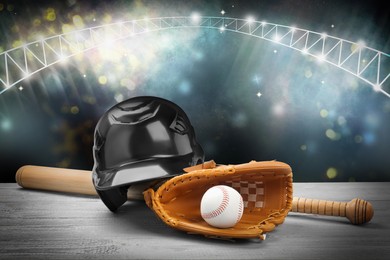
column 38, row 225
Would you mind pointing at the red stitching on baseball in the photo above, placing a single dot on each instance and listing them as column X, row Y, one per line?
column 240, row 209
column 221, row 207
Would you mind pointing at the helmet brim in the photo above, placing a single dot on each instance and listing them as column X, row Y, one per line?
column 141, row 171
column 113, row 190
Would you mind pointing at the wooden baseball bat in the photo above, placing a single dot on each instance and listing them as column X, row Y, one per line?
column 55, row 179
column 66, row 180
column 357, row 211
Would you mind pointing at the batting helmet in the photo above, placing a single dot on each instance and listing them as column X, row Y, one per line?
column 138, row 140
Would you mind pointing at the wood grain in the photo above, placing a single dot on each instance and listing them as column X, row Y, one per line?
column 47, row 225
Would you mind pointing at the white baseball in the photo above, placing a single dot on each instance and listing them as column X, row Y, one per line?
column 221, row 206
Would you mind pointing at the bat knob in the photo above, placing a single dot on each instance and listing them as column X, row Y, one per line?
column 359, row 211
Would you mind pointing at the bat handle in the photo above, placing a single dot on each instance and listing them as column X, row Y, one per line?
column 358, row 211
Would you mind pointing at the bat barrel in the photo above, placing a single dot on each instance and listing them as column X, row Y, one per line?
column 55, row 179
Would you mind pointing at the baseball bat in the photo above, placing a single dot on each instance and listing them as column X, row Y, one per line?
column 55, row 179
column 66, row 180
column 357, row 211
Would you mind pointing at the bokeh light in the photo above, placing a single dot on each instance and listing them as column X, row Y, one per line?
column 248, row 99
column 331, row 173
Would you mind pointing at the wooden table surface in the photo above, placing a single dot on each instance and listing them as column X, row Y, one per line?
column 45, row 225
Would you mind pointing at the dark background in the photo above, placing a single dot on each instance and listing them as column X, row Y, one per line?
column 214, row 76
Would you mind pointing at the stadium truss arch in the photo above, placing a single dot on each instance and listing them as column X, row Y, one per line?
column 370, row 65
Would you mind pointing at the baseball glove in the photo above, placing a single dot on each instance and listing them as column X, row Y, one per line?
column 266, row 189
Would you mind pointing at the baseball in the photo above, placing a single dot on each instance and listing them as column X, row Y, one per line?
column 221, row 206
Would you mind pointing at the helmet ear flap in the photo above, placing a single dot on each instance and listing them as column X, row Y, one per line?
column 113, row 198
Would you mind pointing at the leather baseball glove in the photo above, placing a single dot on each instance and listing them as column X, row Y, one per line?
column 266, row 189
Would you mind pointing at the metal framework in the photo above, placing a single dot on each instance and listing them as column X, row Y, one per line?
column 370, row 65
